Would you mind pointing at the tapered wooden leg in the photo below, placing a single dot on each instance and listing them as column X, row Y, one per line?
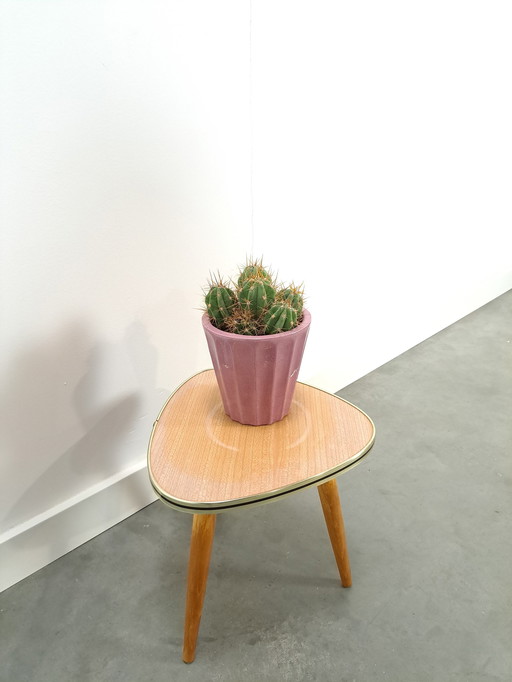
column 331, row 505
column 203, row 529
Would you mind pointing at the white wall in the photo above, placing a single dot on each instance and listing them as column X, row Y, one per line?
column 380, row 173
column 125, row 175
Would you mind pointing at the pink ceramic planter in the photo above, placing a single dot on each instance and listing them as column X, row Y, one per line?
column 257, row 374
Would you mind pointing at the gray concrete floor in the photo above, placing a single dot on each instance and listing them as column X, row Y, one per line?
column 429, row 524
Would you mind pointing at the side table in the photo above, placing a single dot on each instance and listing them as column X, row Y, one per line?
column 203, row 463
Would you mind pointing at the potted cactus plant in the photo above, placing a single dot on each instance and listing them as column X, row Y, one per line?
column 256, row 331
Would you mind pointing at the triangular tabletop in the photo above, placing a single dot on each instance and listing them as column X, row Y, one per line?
column 200, row 460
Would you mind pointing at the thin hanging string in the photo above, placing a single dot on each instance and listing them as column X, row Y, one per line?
column 251, row 130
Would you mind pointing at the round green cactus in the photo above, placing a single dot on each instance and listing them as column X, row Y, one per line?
column 256, row 295
column 280, row 318
column 219, row 300
column 294, row 296
column 254, row 271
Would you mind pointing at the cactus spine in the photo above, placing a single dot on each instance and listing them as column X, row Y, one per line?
column 242, row 322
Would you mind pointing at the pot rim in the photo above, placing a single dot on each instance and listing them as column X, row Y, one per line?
column 208, row 326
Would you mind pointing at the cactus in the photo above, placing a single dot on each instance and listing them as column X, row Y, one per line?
column 219, row 300
column 254, row 306
column 294, row 296
column 242, row 322
column 256, row 295
column 280, row 318
column 254, row 270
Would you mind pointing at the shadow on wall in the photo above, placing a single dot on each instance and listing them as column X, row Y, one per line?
column 74, row 412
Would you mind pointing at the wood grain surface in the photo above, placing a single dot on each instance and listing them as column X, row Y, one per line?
column 201, row 460
column 331, row 506
column 203, row 530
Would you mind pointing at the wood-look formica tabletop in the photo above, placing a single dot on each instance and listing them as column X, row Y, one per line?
column 200, row 461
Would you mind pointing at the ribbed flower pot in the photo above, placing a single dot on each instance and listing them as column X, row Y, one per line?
column 257, row 374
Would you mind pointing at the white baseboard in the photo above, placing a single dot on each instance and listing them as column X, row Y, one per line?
column 35, row 543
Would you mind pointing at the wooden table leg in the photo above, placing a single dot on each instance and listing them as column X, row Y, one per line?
column 331, row 505
column 203, row 529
